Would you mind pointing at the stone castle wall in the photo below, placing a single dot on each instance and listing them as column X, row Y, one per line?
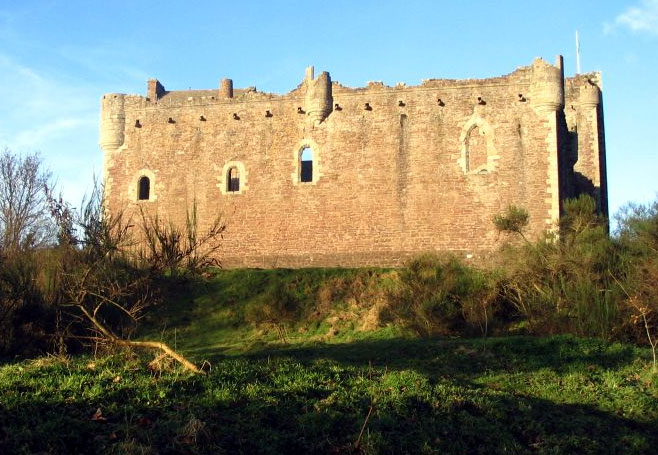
column 396, row 170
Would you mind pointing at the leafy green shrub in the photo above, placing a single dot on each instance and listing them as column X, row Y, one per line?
column 513, row 221
column 439, row 295
column 566, row 283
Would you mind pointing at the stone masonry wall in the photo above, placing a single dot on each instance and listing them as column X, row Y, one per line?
column 396, row 170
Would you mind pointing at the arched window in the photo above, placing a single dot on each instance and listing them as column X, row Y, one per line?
column 144, row 188
column 476, row 150
column 306, row 164
column 233, row 180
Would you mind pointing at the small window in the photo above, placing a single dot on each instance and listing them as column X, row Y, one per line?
column 144, row 188
column 233, row 180
column 306, row 165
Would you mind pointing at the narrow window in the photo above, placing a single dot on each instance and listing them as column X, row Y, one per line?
column 144, row 188
column 306, row 165
column 476, row 150
column 233, row 180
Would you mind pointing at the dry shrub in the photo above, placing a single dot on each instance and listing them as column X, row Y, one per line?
column 277, row 307
column 375, row 315
column 194, row 431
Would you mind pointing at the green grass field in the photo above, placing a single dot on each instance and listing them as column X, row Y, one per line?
column 334, row 388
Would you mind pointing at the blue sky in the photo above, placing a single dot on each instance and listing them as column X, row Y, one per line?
column 57, row 58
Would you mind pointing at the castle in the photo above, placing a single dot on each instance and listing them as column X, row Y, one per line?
column 328, row 175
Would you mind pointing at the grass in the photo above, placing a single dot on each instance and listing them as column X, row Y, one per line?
column 208, row 317
column 331, row 386
column 527, row 395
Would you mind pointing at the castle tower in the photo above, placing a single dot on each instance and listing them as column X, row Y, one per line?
column 318, row 100
column 112, row 132
column 591, row 156
column 226, row 88
column 547, row 99
column 113, row 122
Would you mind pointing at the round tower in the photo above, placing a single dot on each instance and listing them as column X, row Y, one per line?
column 319, row 99
column 590, row 95
column 547, row 86
column 113, row 121
column 226, row 88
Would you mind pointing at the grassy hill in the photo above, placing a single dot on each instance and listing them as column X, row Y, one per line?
column 229, row 313
column 338, row 379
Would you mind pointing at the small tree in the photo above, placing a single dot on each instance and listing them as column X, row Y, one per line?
column 637, row 234
column 644, row 315
column 102, row 283
column 25, row 227
column 562, row 282
column 25, row 220
column 513, row 221
column 175, row 249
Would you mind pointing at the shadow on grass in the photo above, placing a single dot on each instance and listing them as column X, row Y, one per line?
column 454, row 357
column 263, row 413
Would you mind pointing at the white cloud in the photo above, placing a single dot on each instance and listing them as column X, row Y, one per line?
column 642, row 18
column 33, row 138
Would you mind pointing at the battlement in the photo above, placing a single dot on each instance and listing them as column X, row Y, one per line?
column 327, row 174
column 157, row 94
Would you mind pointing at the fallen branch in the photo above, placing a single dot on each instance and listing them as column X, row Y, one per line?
column 166, row 349
column 112, row 338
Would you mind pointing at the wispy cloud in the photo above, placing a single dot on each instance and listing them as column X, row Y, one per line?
column 36, row 107
column 33, row 138
column 50, row 92
column 642, row 18
column 104, row 62
column 54, row 114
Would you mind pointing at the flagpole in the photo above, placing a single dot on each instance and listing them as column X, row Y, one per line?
column 577, row 53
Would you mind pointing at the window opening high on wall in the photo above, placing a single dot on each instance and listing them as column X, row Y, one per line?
column 233, row 180
column 144, row 188
column 306, row 168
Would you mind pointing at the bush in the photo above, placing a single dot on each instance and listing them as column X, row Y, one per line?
column 439, row 295
column 637, row 234
column 25, row 318
column 513, row 221
column 567, row 283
